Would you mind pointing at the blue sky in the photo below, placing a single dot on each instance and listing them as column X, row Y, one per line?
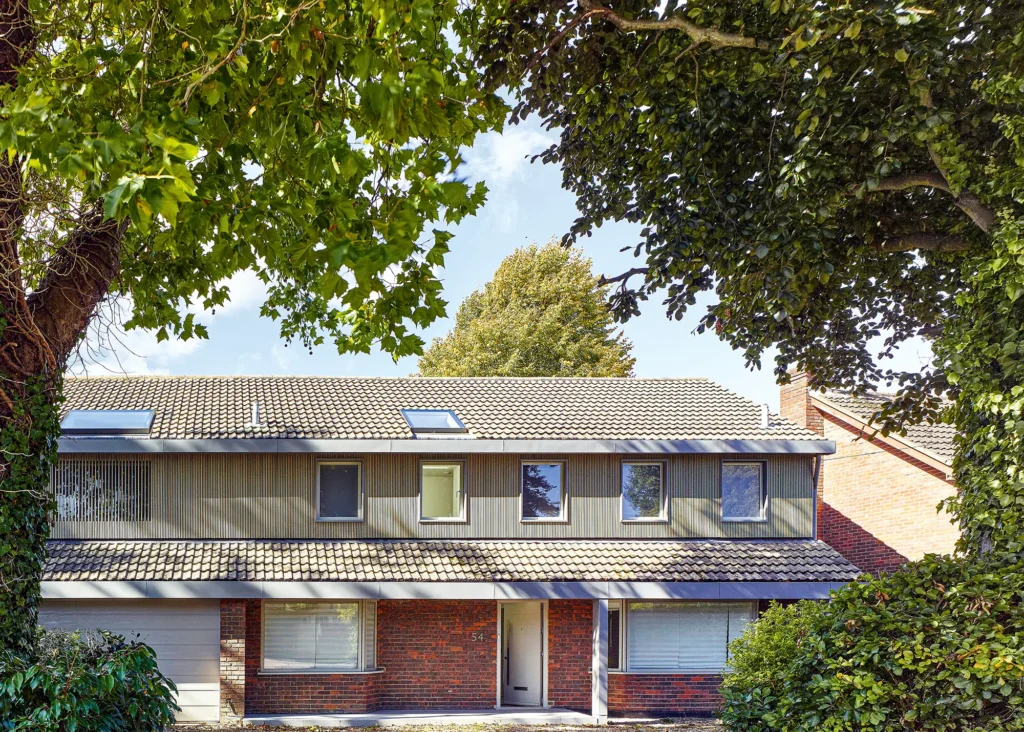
column 526, row 204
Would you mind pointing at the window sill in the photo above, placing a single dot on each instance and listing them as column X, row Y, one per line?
column 659, row 520
column 762, row 520
column 543, row 520
column 320, row 520
column 443, row 521
column 321, row 673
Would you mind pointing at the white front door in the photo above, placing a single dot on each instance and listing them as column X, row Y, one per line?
column 522, row 653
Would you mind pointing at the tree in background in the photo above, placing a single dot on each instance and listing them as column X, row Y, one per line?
column 153, row 148
column 543, row 314
column 843, row 176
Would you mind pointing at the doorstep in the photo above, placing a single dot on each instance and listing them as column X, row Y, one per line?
column 502, row 715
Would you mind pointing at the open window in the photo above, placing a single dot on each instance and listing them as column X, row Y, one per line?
column 107, row 422
column 339, row 491
column 433, row 421
column 442, row 495
column 744, row 491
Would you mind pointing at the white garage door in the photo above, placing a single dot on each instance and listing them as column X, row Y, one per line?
column 184, row 633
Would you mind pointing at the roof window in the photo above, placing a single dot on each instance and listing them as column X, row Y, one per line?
column 433, row 421
column 107, row 422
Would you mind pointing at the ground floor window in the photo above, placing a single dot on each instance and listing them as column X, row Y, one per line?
column 685, row 637
column 302, row 637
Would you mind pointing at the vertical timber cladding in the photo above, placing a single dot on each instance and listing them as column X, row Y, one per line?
column 236, row 496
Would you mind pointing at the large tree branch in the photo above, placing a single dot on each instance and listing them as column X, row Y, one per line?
column 603, row 280
column 77, row 279
column 924, row 242
column 711, row 36
column 982, row 216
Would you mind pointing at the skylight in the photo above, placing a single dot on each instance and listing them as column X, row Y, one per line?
column 107, row 422
column 433, row 421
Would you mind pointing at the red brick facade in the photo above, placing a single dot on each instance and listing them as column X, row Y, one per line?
column 663, row 695
column 441, row 654
column 876, row 502
column 570, row 651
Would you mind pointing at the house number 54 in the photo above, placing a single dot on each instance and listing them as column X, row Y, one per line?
column 478, row 636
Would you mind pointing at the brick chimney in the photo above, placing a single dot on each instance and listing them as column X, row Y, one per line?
column 795, row 403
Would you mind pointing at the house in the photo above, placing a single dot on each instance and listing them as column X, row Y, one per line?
column 879, row 493
column 296, row 546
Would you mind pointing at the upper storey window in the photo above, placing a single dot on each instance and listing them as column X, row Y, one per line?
column 543, row 491
column 643, row 491
column 339, row 490
column 433, row 421
column 109, row 422
column 744, row 494
column 442, row 497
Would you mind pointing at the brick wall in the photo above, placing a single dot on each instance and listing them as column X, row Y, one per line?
column 300, row 693
column 663, row 695
column 570, row 646
column 880, row 503
column 876, row 503
column 232, row 660
column 431, row 655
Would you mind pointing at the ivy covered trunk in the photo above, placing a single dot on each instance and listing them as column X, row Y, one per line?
column 982, row 351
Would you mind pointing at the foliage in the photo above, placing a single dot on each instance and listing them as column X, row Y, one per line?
column 843, row 176
column 94, row 682
column 156, row 148
column 29, row 442
column 543, row 314
column 936, row 646
column 760, row 658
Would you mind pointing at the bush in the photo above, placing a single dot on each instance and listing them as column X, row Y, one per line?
column 938, row 645
column 84, row 682
column 760, row 659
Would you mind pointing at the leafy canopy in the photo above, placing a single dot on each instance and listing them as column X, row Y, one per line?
column 312, row 142
column 543, row 314
column 842, row 176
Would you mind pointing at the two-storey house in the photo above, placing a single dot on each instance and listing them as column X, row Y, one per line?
column 295, row 548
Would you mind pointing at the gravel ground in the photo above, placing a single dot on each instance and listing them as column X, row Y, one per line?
column 667, row 725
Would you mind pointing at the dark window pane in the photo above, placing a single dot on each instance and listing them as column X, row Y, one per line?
column 742, row 490
column 339, row 491
column 614, row 628
column 641, row 491
column 542, row 490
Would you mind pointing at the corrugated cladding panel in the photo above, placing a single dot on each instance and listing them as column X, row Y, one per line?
column 274, row 496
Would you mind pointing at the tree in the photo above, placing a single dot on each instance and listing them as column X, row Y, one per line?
column 153, row 148
column 835, row 173
column 543, row 314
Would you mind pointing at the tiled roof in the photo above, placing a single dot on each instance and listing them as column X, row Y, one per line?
column 447, row 561
column 934, row 438
column 299, row 407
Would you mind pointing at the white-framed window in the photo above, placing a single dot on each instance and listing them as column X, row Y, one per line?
column 339, row 490
column 683, row 637
column 319, row 637
column 442, row 491
column 744, row 490
column 615, row 635
column 643, row 490
column 542, row 490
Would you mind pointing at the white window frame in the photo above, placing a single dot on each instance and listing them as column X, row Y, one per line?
column 662, row 516
column 763, row 516
column 624, row 638
column 362, row 493
column 364, row 607
column 463, row 501
column 563, row 514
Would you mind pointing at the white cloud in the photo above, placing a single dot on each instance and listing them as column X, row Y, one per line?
column 246, row 291
column 499, row 159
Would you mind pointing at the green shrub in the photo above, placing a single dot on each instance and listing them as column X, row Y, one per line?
column 936, row 646
column 84, row 682
column 760, row 659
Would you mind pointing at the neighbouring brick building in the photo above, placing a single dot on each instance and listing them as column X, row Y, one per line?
column 877, row 494
column 337, row 546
